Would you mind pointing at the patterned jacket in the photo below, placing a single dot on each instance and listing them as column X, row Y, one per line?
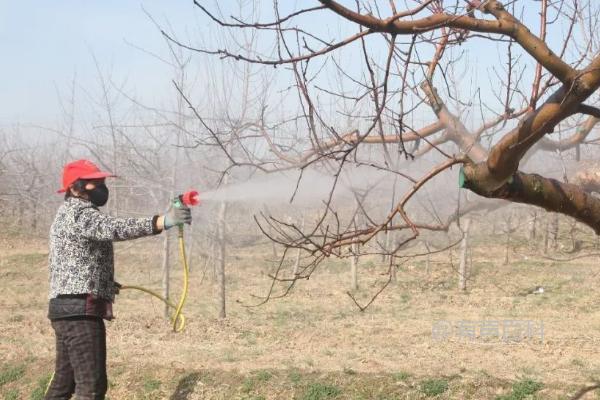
column 81, row 256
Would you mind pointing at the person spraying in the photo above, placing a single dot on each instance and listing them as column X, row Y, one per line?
column 82, row 285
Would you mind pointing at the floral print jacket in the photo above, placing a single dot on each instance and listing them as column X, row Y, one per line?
column 81, row 258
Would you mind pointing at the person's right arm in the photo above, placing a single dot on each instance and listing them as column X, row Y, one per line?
column 95, row 225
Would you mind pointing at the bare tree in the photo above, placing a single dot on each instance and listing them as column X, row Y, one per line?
column 410, row 65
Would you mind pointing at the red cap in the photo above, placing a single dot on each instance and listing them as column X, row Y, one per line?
column 81, row 169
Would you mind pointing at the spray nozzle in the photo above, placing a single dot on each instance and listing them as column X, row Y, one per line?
column 191, row 198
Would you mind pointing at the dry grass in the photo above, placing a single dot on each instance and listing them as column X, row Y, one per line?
column 315, row 344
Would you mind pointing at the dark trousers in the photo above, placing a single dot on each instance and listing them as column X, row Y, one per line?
column 80, row 359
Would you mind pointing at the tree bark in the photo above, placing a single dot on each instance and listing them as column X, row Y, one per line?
column 550, row 194
column 455, row 129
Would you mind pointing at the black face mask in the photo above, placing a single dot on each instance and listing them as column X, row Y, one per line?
column 98, row 195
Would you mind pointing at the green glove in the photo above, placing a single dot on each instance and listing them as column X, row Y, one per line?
column 177, row 216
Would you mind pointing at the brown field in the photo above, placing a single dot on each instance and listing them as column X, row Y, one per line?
column 315, row 343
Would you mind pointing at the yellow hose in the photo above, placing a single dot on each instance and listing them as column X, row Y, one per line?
column 49, row 383
column 178, row 318
column 178, row 311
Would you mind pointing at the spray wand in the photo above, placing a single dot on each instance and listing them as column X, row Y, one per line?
column 187, row 199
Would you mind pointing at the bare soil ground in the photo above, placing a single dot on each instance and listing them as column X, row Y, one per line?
column 315, row 343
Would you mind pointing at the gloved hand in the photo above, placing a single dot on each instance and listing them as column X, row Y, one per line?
column 177, row 216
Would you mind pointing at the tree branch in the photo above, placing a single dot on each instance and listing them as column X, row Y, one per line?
column 504, row 157
column 505, row 24
column 547, row 193
column 589, row 110
column 578, row 137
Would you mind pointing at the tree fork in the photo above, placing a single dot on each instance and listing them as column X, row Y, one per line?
column 534, row 189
